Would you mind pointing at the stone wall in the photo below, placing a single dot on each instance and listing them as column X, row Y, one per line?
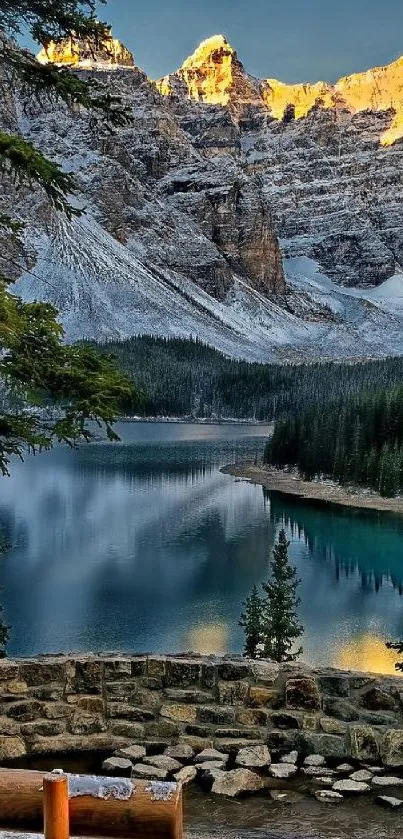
column 63, row 704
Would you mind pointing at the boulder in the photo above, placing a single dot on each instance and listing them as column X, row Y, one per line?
column 133, row 753
column 364, row 775
column 364, row 744
column 328, row 796
column 387, row 781
column 255, row 756
column 314, row 760
column 344, row 768
column 388, row 801
column 391, row 747
column 302, row 693
column 291, row 757
column 119, row 767
column 282, row 771
column 376, row 699
column 149, row 773
column 163, row 762
column 182, row 752
column 237, row 782
column 210, row 754
column 186, row 775
column 348, row 787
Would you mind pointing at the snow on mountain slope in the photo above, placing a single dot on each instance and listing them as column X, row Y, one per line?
column 191, row 207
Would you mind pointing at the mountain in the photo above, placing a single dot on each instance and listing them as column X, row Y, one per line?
column 264, row 218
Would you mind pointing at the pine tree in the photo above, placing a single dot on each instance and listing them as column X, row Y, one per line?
column 280, row 622
column 251, row 621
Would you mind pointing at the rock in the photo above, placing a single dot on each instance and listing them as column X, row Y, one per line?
column 179, row 713
column 210, row 754
column 282, row 771
column 386, row 781
column 259, row 696
column 182, row 752
column 149, row 773
column 302, row 693
column 11, row 748
column 133, row 753
column 186, row 775
column 391, row 747
column 328, row 745
column 314, row 760
column 344, row 768
column 284, row 720
column 237, row 782
column 232, row 693
column 333, row 726
column 361, row 775
column 255, row 756
column 285, row 796
column 376, row 699
column 265, row 672
column 388, row 801
column 191, row 696
column 328, row 796
column 347, row 787
column 163, row 762
column 208, row 765
column 341, row 709
column 334, row 685
column 318, row 770
column 324, row 781
column 363, row 743
column 251, row 717
column 117, row 766
column 291, row 757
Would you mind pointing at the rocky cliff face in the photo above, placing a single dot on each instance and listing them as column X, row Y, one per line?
column 221, row 179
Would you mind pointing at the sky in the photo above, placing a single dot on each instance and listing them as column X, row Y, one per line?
column 292, row 40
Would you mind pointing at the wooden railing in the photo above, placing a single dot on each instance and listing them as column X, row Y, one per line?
column 64, row 805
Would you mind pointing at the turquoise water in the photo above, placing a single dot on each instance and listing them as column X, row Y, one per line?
column 147, row 546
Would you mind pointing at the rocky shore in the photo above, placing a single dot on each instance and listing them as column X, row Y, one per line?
column 324, row 492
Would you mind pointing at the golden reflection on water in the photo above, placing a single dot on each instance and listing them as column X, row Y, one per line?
column 369, row 653
column 209, row 638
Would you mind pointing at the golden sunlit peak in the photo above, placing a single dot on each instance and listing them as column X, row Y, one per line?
column 207, row 47
column 79, row 53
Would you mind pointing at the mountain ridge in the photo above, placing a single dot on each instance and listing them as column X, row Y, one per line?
column 267, row 238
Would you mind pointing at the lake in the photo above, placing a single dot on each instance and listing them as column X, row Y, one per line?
column 146, row 546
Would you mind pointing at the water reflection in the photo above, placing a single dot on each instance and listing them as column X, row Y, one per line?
column 147, row 546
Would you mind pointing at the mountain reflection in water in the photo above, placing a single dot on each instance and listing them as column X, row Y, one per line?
column 147, row 546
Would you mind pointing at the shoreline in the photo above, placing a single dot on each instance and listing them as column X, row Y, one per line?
column 288, row 483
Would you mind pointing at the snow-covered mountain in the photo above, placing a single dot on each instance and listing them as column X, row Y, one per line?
column 264, row 218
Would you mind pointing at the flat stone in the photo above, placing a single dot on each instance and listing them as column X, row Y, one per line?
column 182, row 752
column 149, row 773
column 190, row 696
column 324, row 781
column 285, row 796
column 234, row 744
column 210, row 754
column 386, row 781
column 347, row 787
column 209, row 765
column 313, row 771
column 237, row 782
column 361, row 775
column 314, row 760
column 388, row 801
column 282, row 771
column 133, row 753
column 291, row 757
column 328, row 796
column 163, row 762
column 345, row 768
column 117, row 766
column 255, row 756
column 186, row 775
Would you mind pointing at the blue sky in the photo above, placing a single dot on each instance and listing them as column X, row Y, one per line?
column 294, row 40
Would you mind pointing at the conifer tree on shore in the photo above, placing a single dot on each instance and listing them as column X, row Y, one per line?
column 270, row 622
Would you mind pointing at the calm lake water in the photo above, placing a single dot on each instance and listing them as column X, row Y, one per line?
column 146, row 546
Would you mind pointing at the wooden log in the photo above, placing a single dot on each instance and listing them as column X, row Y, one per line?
column 97, row 806
column 56, row 807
